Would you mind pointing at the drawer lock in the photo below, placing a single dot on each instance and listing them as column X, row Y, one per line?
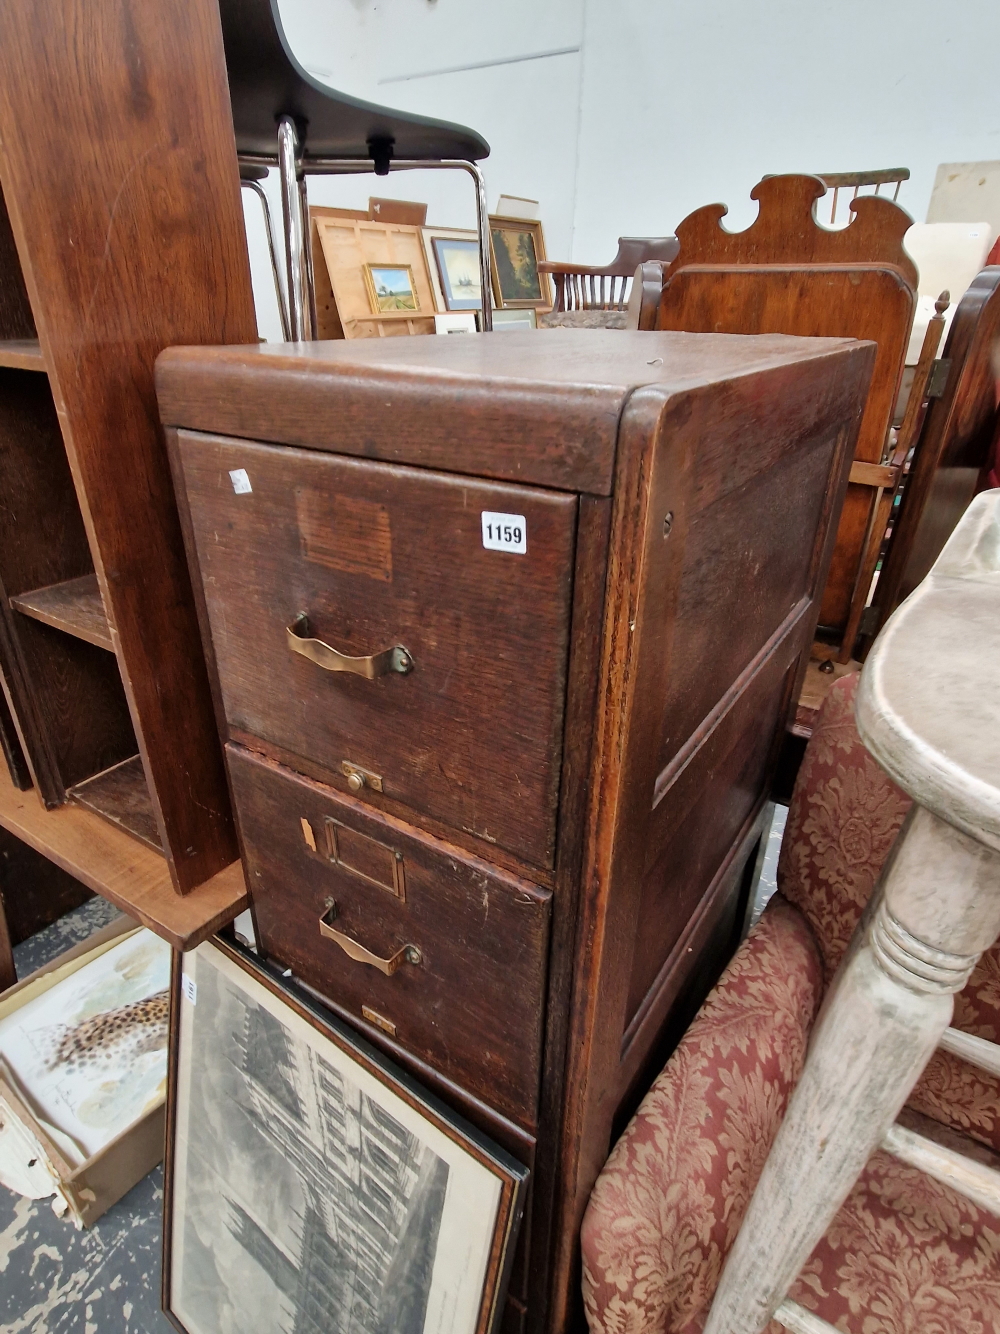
column 356, row 951
column 389, row 660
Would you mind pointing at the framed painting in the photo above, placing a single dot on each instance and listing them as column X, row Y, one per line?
column 391, row 288
column 456, row 261
column 311, row 1185
column 517, row 248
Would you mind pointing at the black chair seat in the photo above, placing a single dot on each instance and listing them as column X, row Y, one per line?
column 266, row 82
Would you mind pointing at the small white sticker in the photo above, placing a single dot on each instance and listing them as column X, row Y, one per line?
column 505, row 532
column 190, row 988
column 240, row 481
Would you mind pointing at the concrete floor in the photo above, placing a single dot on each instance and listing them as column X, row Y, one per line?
column 106, row 1279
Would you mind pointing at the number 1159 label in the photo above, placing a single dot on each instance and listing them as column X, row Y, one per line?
column 505, row 532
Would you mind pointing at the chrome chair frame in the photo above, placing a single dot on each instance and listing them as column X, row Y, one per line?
column 299, row 318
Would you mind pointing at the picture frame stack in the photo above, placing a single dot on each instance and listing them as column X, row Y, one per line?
column 382, row 273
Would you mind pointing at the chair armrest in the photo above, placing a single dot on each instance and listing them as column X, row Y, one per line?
column 644, row 301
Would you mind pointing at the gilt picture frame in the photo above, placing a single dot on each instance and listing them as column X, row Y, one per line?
column 391, row 288
column 304, row 1172
column 517, row 247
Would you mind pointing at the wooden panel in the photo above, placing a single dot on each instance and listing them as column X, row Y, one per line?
column 702, row 808
column 13, row 751
column 559, row 405
column 16, row 319
column 24, row 354
column 121, row 797
column 74, row 606
column 473, row 1005
column 42, row 541
column 78, row 692
column 377, row 557
column 678, row 458
column 124, row 198
column 117, row 866
column 787, row 274
column 873, row 303
column 747, row 567
column 953, row 449
column 34, row 892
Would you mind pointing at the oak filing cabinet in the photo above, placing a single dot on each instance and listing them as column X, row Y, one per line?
column 504, row 633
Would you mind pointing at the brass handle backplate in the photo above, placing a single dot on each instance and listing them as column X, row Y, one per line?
column 407, row 954
column 395, row 659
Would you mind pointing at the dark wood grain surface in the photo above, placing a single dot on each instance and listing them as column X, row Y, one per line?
column 16, row 320
column 120, row 796
column 65, row 695
column 632, row 913
column 376, row 557
column 561, row 406
column 74, row 605
column 953, row 449
column 786, row 274
column 34, row 892
column 123, row 192
column 473, row 1005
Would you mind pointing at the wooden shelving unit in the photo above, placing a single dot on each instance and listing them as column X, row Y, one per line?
column 119, row 867
column 112, row 247
column 75, row 605
column 22, row 354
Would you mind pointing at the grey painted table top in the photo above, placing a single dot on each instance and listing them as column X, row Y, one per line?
column 928, row 706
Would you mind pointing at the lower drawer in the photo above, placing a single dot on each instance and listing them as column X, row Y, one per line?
column 441, row 951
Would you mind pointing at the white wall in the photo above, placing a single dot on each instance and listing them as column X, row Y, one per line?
column 621, row 116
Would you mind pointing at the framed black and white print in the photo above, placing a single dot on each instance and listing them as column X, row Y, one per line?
column 311, row 1187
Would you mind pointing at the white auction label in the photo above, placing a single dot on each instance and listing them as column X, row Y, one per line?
column 505, row 532
column 240, row 481
column 190, row 988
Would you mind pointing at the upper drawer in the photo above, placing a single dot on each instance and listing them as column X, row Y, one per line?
column 379, row 557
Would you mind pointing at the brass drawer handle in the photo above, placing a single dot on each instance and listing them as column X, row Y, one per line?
column 407, row 954
column 332, row 660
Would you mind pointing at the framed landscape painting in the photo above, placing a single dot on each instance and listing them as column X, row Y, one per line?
column 309, row 1184
column 457, row 263
column 391, row 287
column 517, row 248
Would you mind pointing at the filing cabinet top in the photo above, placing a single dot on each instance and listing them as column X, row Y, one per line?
column 539, row 407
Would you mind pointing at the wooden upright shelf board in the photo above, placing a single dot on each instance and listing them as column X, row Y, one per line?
column 117, row 866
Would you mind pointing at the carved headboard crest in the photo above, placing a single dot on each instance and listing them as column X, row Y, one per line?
column 786, row 231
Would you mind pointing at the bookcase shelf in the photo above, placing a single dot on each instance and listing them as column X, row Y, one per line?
column 74, row 605
column 22, row 354
column 120, row 796
column 119, row 867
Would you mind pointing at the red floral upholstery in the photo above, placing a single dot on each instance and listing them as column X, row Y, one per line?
column 670, row 1200
column 903, row 1254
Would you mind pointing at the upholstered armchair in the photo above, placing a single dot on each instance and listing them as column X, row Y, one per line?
column 904, row 1253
